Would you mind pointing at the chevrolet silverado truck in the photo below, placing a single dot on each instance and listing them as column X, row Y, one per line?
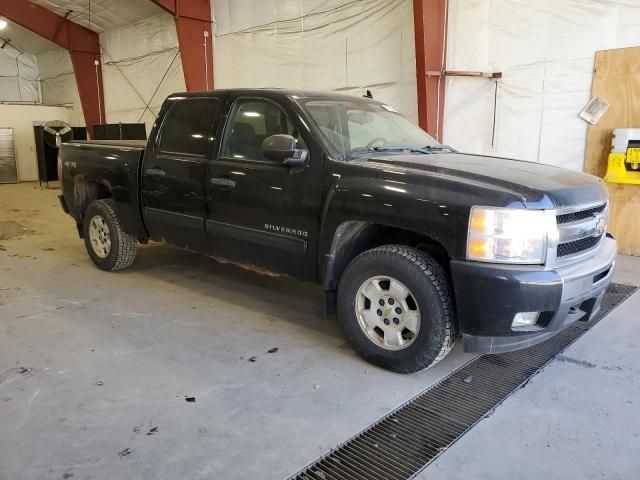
column 413, row 242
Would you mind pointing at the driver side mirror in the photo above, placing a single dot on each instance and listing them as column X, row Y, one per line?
column 285, row 149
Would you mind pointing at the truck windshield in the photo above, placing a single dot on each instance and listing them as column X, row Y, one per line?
column 359, row 127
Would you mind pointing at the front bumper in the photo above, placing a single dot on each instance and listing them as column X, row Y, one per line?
column 488, row 296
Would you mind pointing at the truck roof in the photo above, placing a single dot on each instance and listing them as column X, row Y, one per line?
column 270, row 92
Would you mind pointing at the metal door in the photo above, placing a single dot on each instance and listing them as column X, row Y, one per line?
column 8, row 166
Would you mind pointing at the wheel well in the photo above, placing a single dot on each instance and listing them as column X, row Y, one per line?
column 86, row 192
column 353, row 238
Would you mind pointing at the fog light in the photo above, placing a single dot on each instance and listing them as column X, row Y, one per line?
column 525, row 319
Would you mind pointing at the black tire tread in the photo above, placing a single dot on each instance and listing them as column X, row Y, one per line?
column 125, row 244
column 437, row 277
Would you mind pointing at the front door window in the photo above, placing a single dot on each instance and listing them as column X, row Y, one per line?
column 252, row 121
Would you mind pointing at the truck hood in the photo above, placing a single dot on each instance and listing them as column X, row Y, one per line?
column 536, row 185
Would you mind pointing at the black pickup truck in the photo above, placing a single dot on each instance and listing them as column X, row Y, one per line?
column 412, row 241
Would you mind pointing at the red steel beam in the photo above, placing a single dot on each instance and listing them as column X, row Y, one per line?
column 83, row 46
column 195, row 39
column 430, row 28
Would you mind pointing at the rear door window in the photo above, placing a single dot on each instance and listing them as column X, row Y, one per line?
column 188, row 127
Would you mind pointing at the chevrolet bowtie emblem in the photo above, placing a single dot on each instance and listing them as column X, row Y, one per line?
column 600, row 226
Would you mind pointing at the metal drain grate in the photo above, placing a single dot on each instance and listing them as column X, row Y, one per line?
column 405, row 441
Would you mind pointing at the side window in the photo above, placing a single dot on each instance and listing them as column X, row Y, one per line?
column 188, row 126
column 251, row 122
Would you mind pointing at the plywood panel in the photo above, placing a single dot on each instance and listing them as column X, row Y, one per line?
column 616, row 79
column 624, row 222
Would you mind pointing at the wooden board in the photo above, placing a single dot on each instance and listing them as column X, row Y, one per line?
column 616, row 79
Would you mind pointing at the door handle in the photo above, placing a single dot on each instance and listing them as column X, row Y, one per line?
column 223, row 182
column 156, row 172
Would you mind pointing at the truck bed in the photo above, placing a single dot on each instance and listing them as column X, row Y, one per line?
column 92, row 167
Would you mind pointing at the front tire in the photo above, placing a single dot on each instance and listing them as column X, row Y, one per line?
column 110, row 247
column 394, row 305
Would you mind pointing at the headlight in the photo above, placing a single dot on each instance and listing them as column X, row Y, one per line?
column 509, row 235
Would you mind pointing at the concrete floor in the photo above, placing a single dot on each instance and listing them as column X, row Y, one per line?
column 578, row 419
column 96, row 369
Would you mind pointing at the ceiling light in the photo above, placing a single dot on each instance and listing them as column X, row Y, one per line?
column 3, row 24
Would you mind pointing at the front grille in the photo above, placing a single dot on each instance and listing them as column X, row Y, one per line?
column 576, row 216
column 577, row 246
column 404, row 442
column 580, row 231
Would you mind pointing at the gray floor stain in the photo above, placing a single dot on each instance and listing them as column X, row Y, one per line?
column 586, row 364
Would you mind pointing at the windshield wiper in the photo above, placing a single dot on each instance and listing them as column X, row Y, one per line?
column 440, row 148
column 428, row 149
column 361, row 151
column 402, row 148
column 408, row 148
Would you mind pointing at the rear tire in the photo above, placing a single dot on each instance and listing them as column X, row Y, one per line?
column 394, row 304
column 110, row 247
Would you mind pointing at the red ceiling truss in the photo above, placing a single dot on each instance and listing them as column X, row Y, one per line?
column 430, row 28
column 195, row 39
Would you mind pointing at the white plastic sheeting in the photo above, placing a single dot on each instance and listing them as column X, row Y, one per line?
column 545, row 50
column 58, row 83
column 101, row 15
column 141, row 65
column 343, row 46
column 18, row 76
column 347, row 46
